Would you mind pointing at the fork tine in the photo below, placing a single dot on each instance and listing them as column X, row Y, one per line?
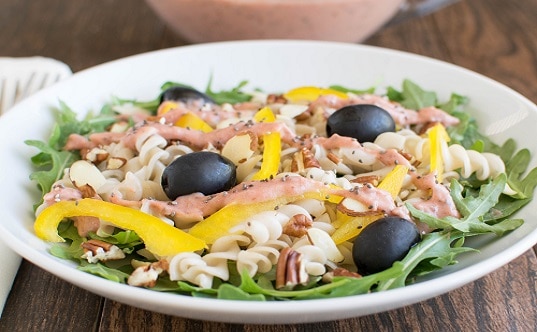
column 21, row 77
column 9, row 90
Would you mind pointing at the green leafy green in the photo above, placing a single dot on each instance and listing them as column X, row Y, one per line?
column 355, row 91
column 472, row 209
column 412, row 96
column 105, row 272
column 52, row 159
column 235, row 95
column 51, row 164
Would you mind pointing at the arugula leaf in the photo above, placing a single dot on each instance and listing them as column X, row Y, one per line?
column 122, row 239
column 516, row 167
column 230, row 292
column 56, row 161
column 454, row 104
column 105, row 272
column 233, row 96
column 472, row 208
column 436, row 246
column 51, row 159
column 355, row 91
column 412, row 96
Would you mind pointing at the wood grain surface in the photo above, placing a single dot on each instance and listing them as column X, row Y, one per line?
column 496, row 38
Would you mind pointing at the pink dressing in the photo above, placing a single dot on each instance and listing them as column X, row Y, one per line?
column 401, row 115
column 195, row 207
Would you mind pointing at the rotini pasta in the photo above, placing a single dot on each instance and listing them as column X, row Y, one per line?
column 296, row 200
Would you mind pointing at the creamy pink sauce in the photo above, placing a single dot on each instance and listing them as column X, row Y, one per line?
column 195, row 207
column 212, row 114
column 440, row 204
column 216, row 20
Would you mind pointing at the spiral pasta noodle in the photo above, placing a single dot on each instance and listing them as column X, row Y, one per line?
column 457, row 159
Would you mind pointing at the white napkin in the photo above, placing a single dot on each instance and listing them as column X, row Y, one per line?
column 19, row 78
column 10, row 265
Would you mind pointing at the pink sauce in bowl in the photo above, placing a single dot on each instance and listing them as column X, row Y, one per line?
column 216, row 20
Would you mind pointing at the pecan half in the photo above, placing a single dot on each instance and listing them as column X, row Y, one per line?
column 304, row 159
column 298, row 225
column 288, row 269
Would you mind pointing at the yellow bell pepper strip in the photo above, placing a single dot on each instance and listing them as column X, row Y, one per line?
column 311, row 93
column 349, row 227
column 438, row 137
column 219, row 223
column 264, row 115
column 165, row 107
column 192, row 121
column 160, row 238
column 353, row 227
column 393, row 181
column 272, row 147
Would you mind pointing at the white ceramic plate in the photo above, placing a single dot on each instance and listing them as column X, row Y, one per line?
column 272, row 66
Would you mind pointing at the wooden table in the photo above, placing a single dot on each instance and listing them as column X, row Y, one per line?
column 497, row 38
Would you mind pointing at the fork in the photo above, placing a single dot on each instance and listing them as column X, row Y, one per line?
column 21, row 77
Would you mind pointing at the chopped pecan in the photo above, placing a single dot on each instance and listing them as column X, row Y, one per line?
column 147, row 275
column 410, row 158
column 339, row 272
column 332, row 157
column 288, row 269
column 276, row 99
column 97, row 250
column 303, row 116
column 373, row 179
column 298, row 225
column 304, row 159
column 309, row 159
column 426, row 127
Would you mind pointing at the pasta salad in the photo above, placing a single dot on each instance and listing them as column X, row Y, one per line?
column 313, row 192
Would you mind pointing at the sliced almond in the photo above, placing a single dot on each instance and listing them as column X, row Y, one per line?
column 120, row 127
column 293, row 110
column 354, row 208
column 83, row 173
column 322, row 240
column 97, row 155
column 116, row 163
column 240, row 147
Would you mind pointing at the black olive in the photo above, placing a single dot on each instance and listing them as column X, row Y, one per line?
column 363, row 122
column 184, row 94
column 205, row 172
column 382, row 243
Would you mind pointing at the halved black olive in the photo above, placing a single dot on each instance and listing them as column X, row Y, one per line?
column 205, row 172
column 363, row 122
column 185, row 95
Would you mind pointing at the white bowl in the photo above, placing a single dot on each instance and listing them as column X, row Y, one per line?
column 272, row 66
